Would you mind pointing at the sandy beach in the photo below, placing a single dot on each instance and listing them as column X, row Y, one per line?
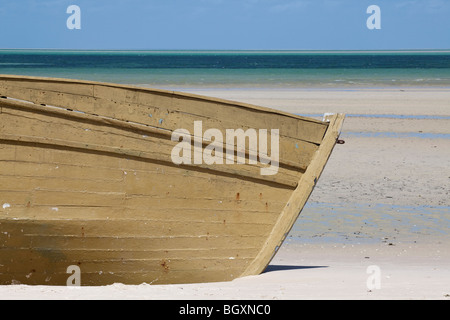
column 382, row 203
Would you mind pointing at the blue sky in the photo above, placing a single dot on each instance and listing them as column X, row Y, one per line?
column 226, row 24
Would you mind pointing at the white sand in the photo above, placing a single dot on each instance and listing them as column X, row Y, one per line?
column 408, row 175
column 298, row 272
column 406, row 101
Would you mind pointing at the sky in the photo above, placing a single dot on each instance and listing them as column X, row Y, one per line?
column 225, row 24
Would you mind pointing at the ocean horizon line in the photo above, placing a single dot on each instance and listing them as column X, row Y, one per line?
column 340, row 51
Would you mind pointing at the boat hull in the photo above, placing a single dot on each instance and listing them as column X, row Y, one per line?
column 87, row 183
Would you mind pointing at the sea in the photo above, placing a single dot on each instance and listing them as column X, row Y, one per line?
column 237, row 69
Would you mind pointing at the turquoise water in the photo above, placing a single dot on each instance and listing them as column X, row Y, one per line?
column 279, row 69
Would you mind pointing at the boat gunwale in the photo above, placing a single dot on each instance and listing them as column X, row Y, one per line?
column 161, row 92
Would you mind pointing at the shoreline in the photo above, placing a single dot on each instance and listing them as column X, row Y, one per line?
column 354, row 101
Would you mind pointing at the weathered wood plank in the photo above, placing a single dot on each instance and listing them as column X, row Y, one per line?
column 97, row 278
column 75, row 171
column 208, row 242
column 145, row 254
column 45, row 84
column 187, row 215
column 129, row 228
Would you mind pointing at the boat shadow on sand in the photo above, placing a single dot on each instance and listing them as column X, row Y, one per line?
column 271, row 268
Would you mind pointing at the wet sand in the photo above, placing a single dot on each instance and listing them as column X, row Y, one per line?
column 382, row 200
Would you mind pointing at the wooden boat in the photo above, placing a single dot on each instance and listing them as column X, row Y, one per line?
column 87, row 180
